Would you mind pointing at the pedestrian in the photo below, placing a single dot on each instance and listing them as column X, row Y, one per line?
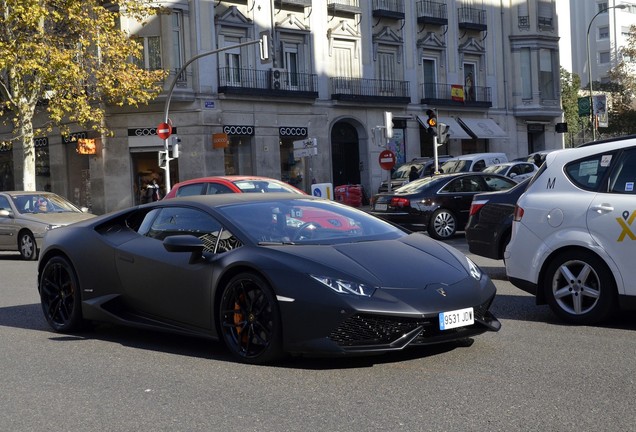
column 154, row 187
column 537, row 160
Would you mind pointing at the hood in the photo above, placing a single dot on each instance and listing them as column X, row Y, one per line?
column 412, row 261
column 61, row 218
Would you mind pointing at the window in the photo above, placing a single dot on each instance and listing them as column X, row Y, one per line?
column 386, row 70
column 470, row 81
column 624, row 178
column 604, row 57
column 603, row 32
column 526, row 74
column 545, row 15
column 151, row 53
column 191, row 189
column 430, row 78
column 588, row 173
column 547, row 81
column 177, row 40
column 602, row 6
column 238, row 156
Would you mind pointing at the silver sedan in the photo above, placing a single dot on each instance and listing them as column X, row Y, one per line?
column 26, row 216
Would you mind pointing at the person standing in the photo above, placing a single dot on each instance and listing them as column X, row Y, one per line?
column 413, row 174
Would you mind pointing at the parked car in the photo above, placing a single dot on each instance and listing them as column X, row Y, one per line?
column 532, row 157
column 423, row 165
column 242, row 269
column 573, row 235
column 473, row 162
column 25, row 217
column 490, row 221
column 438, row 204
column 518, row 171
column 230, row 184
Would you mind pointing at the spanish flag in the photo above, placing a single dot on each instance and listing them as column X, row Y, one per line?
column 457, row 92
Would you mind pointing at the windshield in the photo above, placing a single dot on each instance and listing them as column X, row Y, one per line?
column 496, row 169
column 261, row 186
column 453, row 166
column 307, row 222
column 402, row 173
column 43, row 203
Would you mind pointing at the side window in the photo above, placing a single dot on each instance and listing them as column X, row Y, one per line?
column 191, row 189
column 497, row 184
column 454, row 186
column 171, row 221
column 589, row 172
column 4, row 204
column 217, row 188
column 624, row 177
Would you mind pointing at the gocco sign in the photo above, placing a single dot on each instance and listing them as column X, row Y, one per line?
column 292, row 131
column 238, row 130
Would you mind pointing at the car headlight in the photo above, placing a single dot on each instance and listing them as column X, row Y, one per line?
column 473, row 269
column 345, row 287
column 50, row 227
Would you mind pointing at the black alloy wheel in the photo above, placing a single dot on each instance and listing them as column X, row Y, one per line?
column 27, row 246
column 580, row 288
column 250, row 320
column 60, row 295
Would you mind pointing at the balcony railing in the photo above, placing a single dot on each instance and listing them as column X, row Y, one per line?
column 472, row 18
column 388, row 9
column 293, row 3
column 429, row 12
column 349, row 6
column 369, row 90
column 447, row 94
column 275, row 82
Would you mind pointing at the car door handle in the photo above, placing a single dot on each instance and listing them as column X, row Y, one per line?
column 603, row 208
column 127, row 258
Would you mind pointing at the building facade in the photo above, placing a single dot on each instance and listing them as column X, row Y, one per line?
column 490, row 69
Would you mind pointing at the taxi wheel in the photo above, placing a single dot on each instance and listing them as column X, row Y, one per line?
column 443, row 225
column 580, row 288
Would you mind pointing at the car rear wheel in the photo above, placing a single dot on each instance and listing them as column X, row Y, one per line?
column 250, row 320
column 443, row 225
column 580, row 288
column 27, row 246
column 60, row 296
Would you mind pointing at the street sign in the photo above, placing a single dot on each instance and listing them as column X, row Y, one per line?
column 164, row 130
column 305, row 152
column 387, row 160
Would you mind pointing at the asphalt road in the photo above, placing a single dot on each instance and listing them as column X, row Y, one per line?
column 536, row 374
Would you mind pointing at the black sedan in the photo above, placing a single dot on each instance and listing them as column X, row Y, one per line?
column 269, row 274
column 490, row 222
column 438, row 204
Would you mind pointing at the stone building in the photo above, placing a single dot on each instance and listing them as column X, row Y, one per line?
column 490, row 69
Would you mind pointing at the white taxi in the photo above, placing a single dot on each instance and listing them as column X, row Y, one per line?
column 574, row 232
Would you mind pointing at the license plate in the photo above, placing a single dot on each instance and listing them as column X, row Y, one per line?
column 456, row 318
column 381, row 207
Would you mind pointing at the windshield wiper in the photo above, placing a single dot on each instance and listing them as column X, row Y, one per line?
column 275, row 243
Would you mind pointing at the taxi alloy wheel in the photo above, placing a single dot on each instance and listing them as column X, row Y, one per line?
column 580, row 288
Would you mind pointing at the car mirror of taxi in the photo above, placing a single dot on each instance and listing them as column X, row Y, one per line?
column 6, row 213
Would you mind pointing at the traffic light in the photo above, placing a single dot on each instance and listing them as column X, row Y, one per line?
column 431, row 122
column 388, row 124
column 443, row 133
column 162, row 159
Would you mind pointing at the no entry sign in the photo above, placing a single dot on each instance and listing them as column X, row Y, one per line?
column 387, row 159
column 164, row 130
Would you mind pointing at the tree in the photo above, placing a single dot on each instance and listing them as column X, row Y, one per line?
column 570, row 85
column 68, row 59
column 622, row 87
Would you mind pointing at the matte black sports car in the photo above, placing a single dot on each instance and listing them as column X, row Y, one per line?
column 269, row 274
column 439, row 204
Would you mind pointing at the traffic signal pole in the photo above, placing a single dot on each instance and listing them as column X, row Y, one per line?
column 264, row 41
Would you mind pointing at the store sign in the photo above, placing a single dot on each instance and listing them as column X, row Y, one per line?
column 68, row 139
column 292, row 131
column 238, row 130
column 87, row 146
column 219, row 140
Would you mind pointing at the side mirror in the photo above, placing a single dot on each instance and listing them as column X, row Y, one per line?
column 5, row 213
column 185, row 243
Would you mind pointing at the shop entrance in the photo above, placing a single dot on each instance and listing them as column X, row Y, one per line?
column 345, row 154
column 145, row 168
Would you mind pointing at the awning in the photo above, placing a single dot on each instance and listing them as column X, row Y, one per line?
column 483, row 128
column 455, row 131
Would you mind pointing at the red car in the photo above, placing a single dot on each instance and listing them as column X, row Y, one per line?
column 230, row 184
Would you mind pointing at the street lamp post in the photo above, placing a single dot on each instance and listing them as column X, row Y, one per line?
column 589, row 65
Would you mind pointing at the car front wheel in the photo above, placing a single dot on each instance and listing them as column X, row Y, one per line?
column 27, row 246
column 250, row 320
column 443, row 225
column 60, row 295
column 580, row 288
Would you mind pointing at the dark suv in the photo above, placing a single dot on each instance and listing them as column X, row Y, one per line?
column 425, row 166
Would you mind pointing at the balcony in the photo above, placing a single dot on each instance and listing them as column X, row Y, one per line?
column 393, row 9
column 429, row 12
column 273, row 82
column 293, row 4
column 370, row 90
column 344, row 6
column 454, row 95
column 472, row 19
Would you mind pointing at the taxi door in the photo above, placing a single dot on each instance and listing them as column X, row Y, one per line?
column 611, row 218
